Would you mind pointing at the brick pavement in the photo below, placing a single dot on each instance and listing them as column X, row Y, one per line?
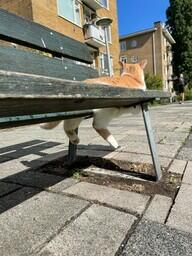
column 47, row 214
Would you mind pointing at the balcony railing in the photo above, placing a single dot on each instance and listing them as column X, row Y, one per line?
column 94, row 36
column 94, row 4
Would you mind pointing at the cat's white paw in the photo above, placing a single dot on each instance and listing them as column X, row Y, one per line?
column 112, row 141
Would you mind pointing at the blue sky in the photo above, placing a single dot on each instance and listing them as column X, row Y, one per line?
column 136, row 15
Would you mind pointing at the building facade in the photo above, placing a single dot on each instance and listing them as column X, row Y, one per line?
column 153, row 44
column 76, row 19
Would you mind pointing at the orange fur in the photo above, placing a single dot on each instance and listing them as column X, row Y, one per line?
column 132, row 77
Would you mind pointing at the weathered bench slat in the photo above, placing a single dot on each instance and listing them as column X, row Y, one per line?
column 28, row 95
column 19, row 30
column 14, row 121
column 16, row 85
column 32, row 63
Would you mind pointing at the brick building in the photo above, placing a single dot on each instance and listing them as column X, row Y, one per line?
column 76, row 19
column 153, row 44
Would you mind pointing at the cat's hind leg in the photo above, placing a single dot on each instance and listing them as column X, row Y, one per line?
column 70, row 126
column 101, row 120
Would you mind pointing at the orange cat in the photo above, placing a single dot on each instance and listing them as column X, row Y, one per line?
column 132, row 77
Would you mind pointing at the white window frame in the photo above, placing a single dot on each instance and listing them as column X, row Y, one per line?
column 124, row 59
column 106, row 7
column 102, row 67
column 134, row 59
column 109, row 35
column 75, row 4
column 123, row 46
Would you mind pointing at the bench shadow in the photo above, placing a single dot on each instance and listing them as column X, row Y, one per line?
column 23, row 185
column 26, row 148
column 41, row 175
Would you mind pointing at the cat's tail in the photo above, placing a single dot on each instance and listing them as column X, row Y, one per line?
column 50, row 125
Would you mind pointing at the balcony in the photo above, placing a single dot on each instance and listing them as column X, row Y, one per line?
column 94, row 4
column 94, row 36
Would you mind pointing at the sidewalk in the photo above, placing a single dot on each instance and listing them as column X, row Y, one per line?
column 98, row 211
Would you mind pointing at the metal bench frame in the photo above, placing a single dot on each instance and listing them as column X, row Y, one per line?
column 35, row 88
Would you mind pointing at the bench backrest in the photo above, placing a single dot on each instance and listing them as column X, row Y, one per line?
column 26, row 33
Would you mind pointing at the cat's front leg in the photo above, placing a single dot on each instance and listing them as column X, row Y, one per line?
column 101, row 120
column 70, row 125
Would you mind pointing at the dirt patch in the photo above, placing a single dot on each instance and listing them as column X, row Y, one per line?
column 168, row 185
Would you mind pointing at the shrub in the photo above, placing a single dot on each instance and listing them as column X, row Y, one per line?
column 188, row 94
column 153, row 82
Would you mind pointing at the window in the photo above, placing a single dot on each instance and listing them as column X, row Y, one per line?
column 105, row 3
column 133, row 43
column 70, row 10
column 104, row 70
column 123, row 46
column 134, row 59
column 108, row 34
column 124, row 59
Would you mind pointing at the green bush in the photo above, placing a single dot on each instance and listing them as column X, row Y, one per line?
column 153, row 82
column 188, row 94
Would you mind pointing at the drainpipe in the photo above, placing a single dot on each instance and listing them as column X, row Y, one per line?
column 154, row 54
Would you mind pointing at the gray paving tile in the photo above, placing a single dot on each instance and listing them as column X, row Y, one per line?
column 187, row 178
column 98, row 231
column 177, row 166
column 31, row 223
column 126, row 200
column 6, row 188
column 154, row 239
column 158, row 209
column 34, row 179
column 181, row 213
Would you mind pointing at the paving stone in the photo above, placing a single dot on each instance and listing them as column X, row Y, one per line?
column 6, row 188
column 33, row 222
column 185, row 154
column 158, row 208
column 154, row 239
column 187, row 178
column 165, row 150
column 138, row 158
column 126, row 200
column 98, row 231
column 61, row 186
column 177, row 166
column 11, row 167
column 34, row 179
column 181, row 213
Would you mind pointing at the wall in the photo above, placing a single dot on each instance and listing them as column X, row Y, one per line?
column 20, row 7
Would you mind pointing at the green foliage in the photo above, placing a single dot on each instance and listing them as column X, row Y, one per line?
column 179, row 22
column 153, row 82
column 188, row 94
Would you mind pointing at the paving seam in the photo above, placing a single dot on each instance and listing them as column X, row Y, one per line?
column 65, row 225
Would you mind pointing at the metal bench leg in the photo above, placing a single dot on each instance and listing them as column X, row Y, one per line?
column 72, row 151
column 151, row 140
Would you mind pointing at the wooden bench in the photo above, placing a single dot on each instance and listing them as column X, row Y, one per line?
column 35, row 88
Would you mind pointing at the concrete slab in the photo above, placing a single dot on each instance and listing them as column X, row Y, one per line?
column 177, row 166
column 34, row 179
column 158, row 209
column 129, row 201
column 6, row 188
column 64, row 184
column 152, row 238
column 98, row 231
column 187, row 178
column 33, row 222
column 138, row 158
column 181, row 213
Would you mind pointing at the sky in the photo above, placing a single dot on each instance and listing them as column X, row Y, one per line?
column 136, row 15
